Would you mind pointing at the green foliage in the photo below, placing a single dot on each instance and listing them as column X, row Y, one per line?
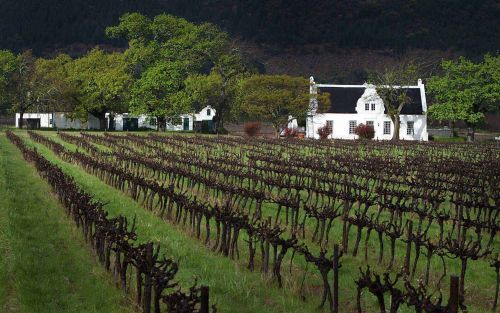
column 102, row 81
column 466, row 90
column 156, row 92
column 162, row 53
column 8, row 64
column 34, row 83
column 274, row 98
column 219, row 88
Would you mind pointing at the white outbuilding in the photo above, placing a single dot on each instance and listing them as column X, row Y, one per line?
column 352, row 105
column 193, row 121
column 58, row 120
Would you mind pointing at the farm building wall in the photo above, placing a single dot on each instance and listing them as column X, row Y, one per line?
column 60, row 120
column 341, row 126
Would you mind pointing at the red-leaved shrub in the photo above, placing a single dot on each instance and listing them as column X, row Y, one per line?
column 324, row 132
column 252, row 128
column 291, row 132
column 365, row 131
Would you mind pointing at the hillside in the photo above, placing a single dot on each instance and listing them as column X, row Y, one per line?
column 469, row 26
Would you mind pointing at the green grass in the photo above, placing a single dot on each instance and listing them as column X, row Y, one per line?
column 231, row 284
column 450, row 139
column 45, row 265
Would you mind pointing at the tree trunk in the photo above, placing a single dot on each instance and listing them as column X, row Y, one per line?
column 21, row 119
column 111, row 123
column 101, row 116
column 397, row 124
column 160, row 123
column 471, row 129
column 277, row 131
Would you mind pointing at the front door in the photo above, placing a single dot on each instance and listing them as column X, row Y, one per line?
column 186, row 123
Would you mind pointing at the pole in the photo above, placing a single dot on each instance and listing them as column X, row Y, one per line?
column 454, row 286
column 204, row 299
column 408, row 247
column 336, row 278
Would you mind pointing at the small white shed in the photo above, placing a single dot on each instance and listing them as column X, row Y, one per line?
column 188, row 121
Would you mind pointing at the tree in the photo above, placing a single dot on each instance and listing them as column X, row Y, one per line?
column 391, row 88
column 162, row 53
column 274, row 98
column 218, row 89
column 466, row 91
column 103, row 83
column 31, row 84
column 158, row 92
column 8, row 65
column 61, row 94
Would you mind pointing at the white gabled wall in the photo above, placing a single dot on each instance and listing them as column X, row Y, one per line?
column 203, row 115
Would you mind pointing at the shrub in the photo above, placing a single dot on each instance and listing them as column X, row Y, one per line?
column 365, row 131
column 252, row 128
column 291, row 132
column 324, row 132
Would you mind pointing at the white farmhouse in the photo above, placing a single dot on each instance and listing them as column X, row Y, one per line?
column 352, row 105
column 192, row 121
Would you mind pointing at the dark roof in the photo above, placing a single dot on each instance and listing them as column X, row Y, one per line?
column 344, row 99
column 415, row 105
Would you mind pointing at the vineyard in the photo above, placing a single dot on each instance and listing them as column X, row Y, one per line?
column 342, row 226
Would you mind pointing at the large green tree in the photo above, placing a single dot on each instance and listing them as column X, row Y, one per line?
column 390, row 85
column 33, row 84
column 218, row 88
column 102, row 81
column 466, row 91
column 274, row 98
column 162, row 53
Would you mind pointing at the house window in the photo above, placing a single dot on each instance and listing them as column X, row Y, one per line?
column 209, row 112
column 369, row 123
column 373, row 106
column 387, row 128
column 352, row 127
column 329, row 125
column 367, row 106
column 410, row 129
column 50, row 121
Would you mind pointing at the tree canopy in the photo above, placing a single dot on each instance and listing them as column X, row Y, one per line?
column 102, row 81
column 466, row 91
column 163, row 52
column 276, row 98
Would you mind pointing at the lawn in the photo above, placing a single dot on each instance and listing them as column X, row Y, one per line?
column 45, row 265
